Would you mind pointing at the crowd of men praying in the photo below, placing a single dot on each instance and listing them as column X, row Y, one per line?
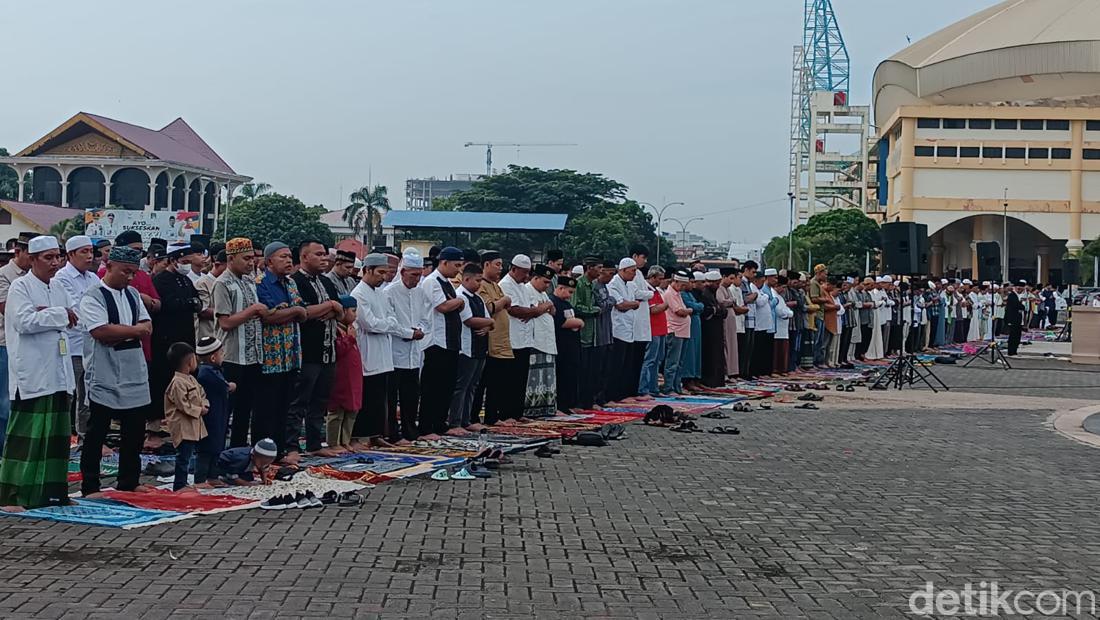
column 236, row 352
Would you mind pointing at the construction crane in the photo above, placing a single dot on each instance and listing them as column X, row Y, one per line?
column 489, row 149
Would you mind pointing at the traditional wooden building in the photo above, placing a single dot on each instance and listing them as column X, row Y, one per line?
column 92, row 161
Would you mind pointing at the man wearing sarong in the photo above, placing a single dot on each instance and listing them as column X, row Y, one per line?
column 34, row 468
column 585, row 308
column 714, row 337
column 114, row 320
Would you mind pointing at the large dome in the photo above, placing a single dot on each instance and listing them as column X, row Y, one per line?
column 1018, row 52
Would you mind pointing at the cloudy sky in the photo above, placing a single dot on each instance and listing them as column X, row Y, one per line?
column 682, row 100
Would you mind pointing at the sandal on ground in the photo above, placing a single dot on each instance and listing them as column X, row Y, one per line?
column 794, row 387
column 849, row 388
column 544, row 452
column 839, row 387
column 441, row 475
column 462, row 474
column 766, row 405
column 810, row 396
column 351, row 498
column 714, row 415
column 725, row 430
column 687, row 426
column 806, row 406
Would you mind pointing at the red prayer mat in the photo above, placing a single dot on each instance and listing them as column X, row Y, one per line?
column 185, row 500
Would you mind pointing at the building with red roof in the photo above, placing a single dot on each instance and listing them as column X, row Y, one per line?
column 92, row 161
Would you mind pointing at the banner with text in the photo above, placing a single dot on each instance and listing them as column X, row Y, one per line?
column 168, row 225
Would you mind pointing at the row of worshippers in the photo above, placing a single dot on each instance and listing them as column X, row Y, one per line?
column 296, row 352
column 110, row 328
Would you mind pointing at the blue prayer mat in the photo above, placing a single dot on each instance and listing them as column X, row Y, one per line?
column 103, row 513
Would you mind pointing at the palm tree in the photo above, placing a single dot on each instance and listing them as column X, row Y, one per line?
column 66, row 229
column 251, row 191
column 365, row 211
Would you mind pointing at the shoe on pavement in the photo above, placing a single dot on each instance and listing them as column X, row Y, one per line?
column 441, row 475
column 275, row 503
column 462, row 474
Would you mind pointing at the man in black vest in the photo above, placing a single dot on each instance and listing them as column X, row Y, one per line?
column 443, row 343
column 323, row 310
column 1014, row 317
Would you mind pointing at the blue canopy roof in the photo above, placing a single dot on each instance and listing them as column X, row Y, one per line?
column 475, row 220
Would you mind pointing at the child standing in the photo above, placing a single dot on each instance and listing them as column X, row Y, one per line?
column 216, row 420
column 184, row 405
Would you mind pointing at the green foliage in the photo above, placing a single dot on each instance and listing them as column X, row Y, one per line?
column 1088, row 253
column 67, row 229
column 252, row 191
column 839, row 238
column 365, row 211
column 601, row 220
column 274, row 217
column 9, row 180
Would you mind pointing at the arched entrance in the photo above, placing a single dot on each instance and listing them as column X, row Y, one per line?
column 86, row 189
column 210, row 201
column 45, row 186
column 178, row 187
column 160, row 197
column 1032, row 255
column 194, row 197
column 130, row 189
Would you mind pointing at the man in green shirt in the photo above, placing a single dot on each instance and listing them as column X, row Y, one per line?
column 586, row 309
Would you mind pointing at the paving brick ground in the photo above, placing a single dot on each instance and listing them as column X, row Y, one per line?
column 829, row 514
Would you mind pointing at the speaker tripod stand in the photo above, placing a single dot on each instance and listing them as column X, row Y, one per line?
column 990, row 353
column 907, row 369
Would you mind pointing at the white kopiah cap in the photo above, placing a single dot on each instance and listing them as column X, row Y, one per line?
column 627, row 263
column 770, row 272
column 698, row 275
column 412, row 259
column 713, row 276
column 42, row 243
column 577, row 270
column 77, row 242
column 522, row 261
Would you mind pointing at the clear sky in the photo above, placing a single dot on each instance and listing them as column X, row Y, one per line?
column 681, row 100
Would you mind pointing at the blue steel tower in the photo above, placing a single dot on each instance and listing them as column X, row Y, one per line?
column 821, row 65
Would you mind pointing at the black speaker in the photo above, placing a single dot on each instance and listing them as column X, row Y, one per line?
column 989, row 261
column 905, row 249
column 1071, row 271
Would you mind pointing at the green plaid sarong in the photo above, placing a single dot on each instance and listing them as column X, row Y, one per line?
column 34, row 469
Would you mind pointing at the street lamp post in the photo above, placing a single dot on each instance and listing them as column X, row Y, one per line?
column 660, row 215
column 790, row 234
column 684, row 225
column 1005, row 276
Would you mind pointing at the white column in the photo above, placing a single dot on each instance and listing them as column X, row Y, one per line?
column 152, row 190
column 64, row 193
column 21, row 184
column 107, row 194
column 202, row 201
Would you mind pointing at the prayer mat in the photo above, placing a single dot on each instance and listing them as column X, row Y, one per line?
column 185, row 501
column 101, row 513
column 430, row 451
column 367, row 478
column 394, row 465
column 303, row 481
column 34, row 471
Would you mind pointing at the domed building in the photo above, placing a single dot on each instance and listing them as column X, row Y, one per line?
column 990, row 133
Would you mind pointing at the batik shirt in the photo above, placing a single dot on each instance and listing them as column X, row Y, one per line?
column 282, row 343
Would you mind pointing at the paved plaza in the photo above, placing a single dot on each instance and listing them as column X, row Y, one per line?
column 837, row 513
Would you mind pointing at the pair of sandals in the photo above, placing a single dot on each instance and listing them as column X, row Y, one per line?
column 741, row 406
column 845, row 388
column 346, row 499
column 807, row 406
column 725, row 430
column 714, row 415
column 547, row 451
column 793, row 387
column 811, row 397
column 686, row 426
column 470, row 472
column 817, row 386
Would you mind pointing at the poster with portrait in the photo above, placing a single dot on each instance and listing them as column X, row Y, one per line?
column 168, row 225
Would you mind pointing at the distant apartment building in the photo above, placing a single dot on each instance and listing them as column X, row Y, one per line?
column 420, row 194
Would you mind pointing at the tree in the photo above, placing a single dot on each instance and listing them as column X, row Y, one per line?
column 67, row 229
column 365, row 211
column 9, row 180
column 840, row 239
column 601, row 221
column 1088, row 253
column 252, row 191
column 274, row 217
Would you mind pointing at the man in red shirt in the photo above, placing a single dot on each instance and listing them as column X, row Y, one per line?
column 658, row 322
column 143, row 282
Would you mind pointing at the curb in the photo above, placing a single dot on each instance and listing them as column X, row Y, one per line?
column 1070, row 424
